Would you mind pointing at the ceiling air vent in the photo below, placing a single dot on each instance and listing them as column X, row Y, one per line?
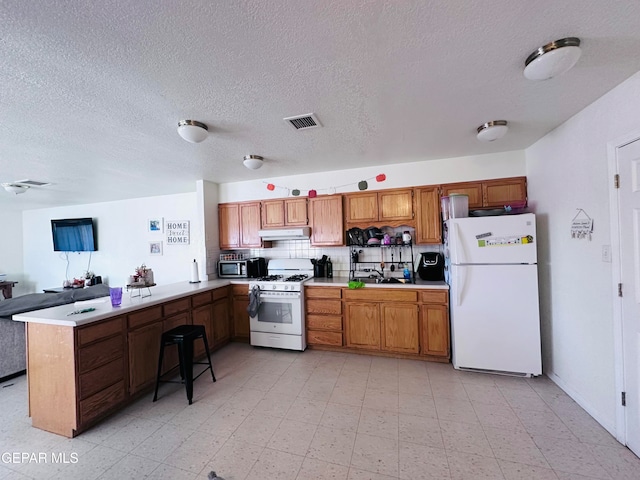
column 303, row 122
column 32, row 183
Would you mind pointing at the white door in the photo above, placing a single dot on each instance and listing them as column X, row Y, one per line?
column 629, row 211
column 495, row 319
column 497, row 239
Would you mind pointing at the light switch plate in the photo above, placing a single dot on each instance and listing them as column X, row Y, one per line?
column 606, row 253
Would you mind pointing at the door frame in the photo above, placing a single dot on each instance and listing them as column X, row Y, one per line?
column 616, row 276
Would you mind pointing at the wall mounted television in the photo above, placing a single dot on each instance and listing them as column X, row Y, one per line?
column 74, row 235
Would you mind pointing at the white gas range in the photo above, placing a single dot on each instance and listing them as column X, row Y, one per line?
column 279, row 321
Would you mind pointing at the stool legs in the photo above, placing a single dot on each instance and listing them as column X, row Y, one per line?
column 155, row 395
column 206, row 348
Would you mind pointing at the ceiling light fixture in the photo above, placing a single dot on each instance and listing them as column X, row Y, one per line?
column 14, row 188
column 553, row 59
column 253, row 162
column 490, row 131
column 192, row 131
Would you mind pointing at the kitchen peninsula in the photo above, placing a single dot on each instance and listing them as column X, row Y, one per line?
column 86, row 366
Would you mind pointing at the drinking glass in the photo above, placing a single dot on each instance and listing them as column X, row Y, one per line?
column 116, row 296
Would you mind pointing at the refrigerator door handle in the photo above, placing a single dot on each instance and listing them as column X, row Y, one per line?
column 460, row 281
column 459, row 251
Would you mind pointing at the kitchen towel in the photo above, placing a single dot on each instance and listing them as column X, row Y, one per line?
column 194, row 272
column 254, row 301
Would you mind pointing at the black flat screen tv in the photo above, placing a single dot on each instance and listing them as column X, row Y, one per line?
column 74, row 235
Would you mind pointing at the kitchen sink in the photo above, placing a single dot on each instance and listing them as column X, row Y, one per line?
column 379, row 280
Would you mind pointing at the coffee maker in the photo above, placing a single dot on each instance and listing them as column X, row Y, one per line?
column 431, row 266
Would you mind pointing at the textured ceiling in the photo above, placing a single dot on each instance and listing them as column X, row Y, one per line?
column 91, row 92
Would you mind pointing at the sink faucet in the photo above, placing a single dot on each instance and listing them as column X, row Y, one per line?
column 381, row 273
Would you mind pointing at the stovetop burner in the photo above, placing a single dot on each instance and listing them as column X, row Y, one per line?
column 270, row 278
column 296, row 278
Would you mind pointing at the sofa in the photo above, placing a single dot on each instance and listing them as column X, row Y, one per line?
column 13, row 358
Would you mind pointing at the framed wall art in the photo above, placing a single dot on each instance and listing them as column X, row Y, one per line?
column 155, row 248
column 154, row 225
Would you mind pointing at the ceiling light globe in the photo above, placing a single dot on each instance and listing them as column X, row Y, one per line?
column 16, row 189
column 192, row 131
column 553, row 59
column 253, row 162
column 491, row 131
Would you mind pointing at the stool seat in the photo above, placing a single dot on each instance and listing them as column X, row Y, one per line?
column 183, row 336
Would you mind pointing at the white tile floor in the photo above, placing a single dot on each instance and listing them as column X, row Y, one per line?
column 320, row 415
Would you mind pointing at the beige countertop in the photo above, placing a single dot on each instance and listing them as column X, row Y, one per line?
column 103, row 309
column 343, row 282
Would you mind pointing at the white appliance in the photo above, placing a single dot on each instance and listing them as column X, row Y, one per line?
column 279, row 322
column 492, row 272
column 300, row 233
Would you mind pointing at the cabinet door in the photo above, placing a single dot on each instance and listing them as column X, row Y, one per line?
column 362, row 325
column 400, row 331
column 434, row 337
column 361, row 207
column 505, row 191
column 144, row 348
column 326, row 221
column 474, row 190
column 250, row 225
column 272, row 213
column 295, row 212
column 395, row 205
column 229, row 225
column 203, row 316
column 240, row 317
column 429, row 220
column 220, row 322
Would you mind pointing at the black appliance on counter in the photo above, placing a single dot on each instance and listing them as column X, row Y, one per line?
column 256, row 267
column 431, row 266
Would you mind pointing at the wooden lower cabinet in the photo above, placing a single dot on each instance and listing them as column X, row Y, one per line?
column 397, row 321
column 400, row 332
column 240, row 322
column 220, row 320
column 362, row 325
column 144, row 349
column 323, row 315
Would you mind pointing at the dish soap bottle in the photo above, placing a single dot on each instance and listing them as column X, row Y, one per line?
column 329, row 267
column 406, row 273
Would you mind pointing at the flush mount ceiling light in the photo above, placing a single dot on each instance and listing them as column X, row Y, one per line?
column 253, row 162
column 15, row 188
column 192, row 131
column 553, row 59
column 491, row 131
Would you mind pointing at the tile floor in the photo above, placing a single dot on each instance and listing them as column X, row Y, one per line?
column 321, row 415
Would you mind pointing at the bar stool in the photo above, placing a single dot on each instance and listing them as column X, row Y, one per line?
column 183, row 336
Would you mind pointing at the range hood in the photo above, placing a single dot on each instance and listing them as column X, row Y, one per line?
column 301, row 233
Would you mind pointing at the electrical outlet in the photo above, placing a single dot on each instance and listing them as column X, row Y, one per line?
column 606, row 253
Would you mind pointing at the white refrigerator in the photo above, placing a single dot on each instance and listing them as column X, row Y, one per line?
column 492, row 273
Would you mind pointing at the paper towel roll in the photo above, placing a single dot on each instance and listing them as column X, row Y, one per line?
column 194, row 272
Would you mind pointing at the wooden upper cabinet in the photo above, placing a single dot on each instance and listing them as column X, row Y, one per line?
column 361, row 207
column 229, row 225
column 325, row 215
column 491, row 193
column 394, row 205
column 473, row 189
column 428, row 219
column 250, row 225
column 284, row 213
column 503, row 192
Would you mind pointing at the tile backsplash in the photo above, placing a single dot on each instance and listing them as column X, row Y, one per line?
column 340, row 256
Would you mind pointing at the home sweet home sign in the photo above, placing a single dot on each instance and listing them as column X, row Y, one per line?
column 177, row 232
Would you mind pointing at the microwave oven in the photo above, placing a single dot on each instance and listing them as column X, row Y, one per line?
column 248, row 268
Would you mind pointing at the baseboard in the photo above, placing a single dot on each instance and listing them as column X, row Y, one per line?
column 583, row 403
column 13, row 375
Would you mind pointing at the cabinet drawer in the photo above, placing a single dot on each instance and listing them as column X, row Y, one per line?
column 324, row 306
column 322, row 292
column 101, row 330
column 176, row 306
column 100, row 378
column 200, row 299
column 145, row 316
column 435, row 296
column 324, row 322
column 100, row 353
column 381, row 295
column 220, row 293
column 101, row 402
column 324, row 338
column 239, row 290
